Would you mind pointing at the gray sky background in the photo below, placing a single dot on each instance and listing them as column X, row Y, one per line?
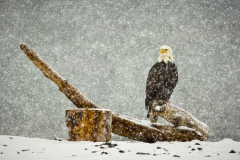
column 106, row 48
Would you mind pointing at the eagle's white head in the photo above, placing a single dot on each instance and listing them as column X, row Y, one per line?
column 165, row 54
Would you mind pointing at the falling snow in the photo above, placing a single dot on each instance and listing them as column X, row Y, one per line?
column 106, row 48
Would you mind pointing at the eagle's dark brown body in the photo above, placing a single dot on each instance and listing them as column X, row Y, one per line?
column 162, row 79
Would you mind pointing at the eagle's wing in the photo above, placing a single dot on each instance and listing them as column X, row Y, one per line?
column 170, row 82
column 155, row 81
column 173, row 73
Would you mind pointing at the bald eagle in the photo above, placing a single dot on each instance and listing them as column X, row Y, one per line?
column 162, row 79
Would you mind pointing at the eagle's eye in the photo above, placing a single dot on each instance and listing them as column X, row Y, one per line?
column 165, row 49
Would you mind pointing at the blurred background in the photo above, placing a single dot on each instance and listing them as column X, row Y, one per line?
column 106, row 48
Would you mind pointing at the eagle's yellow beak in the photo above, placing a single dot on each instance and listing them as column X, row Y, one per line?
column 162, row 51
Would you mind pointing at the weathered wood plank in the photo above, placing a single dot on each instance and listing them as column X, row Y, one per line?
column 178, row 117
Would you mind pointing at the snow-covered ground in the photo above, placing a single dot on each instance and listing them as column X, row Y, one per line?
column 16, row 148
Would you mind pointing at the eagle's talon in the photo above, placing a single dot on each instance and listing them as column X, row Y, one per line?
column 148, row 115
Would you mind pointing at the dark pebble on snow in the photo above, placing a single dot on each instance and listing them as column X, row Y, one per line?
column 104, row 153
column 58, row 139
column 110, row 145
column 102, row 147
column 121, row 151
column 208, row 156
column 5, row 145
column 193, row 149
column 107, row 143
column 97, row 145
column 10, row 137
column 232, row 151
column 113, row 145
column 18, row 152
column 197, row 143
column 176, row 156
column 25, row 150
column 85, row 148
column 1, row 152
column 159, row 147
column 142, row 153
column 199, row 148
column 94, row 151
